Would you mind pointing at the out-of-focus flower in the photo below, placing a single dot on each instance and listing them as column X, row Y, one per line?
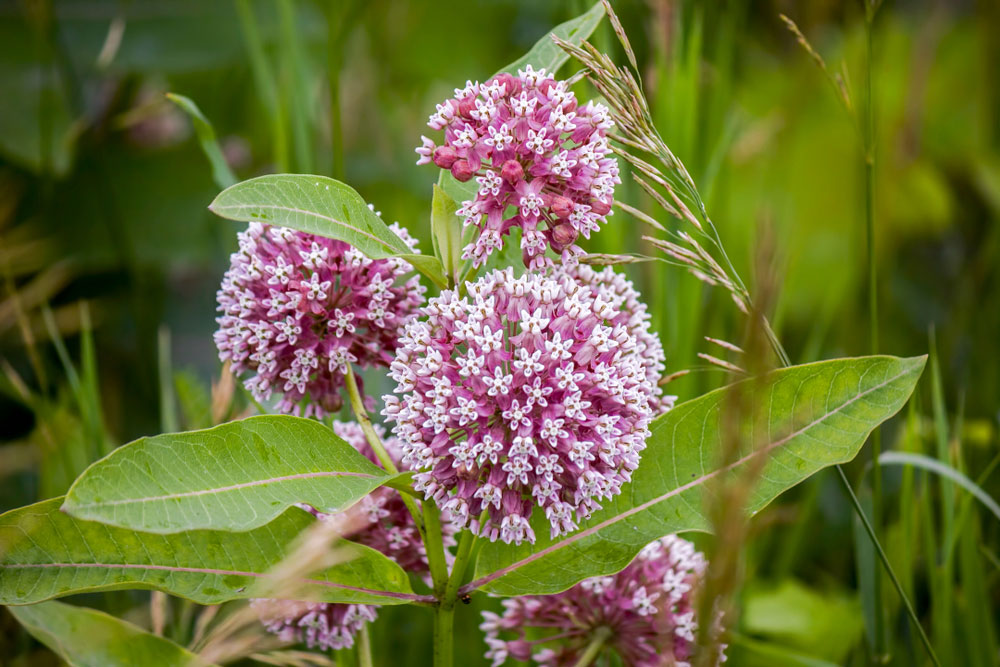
column 298, row 308
column 328, row 627
column 645, row 613
column 525, row 393
column 530, row 147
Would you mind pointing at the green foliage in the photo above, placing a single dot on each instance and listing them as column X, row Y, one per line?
column 546, row 55
column 90, row 638
column 221, row 172
column 45, row 553
column 446, row 231
column 323, row 206
column 817, row 415
column 236, row 476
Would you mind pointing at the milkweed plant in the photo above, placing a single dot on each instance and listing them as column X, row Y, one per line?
column 526, row 447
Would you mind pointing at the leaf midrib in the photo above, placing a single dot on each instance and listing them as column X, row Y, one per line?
column 221, row 489
column 219, row 208
column 502, row 572
column 213, row 571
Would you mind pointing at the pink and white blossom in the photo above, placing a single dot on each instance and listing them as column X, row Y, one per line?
column 529, row 392
column 647, row 612
column 530, row 146
column 296, row 309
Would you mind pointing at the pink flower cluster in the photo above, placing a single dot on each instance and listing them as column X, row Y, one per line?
column 384, row 525
column 530, row 146
column 527, row 392
column 298, row 308
column 646, row 611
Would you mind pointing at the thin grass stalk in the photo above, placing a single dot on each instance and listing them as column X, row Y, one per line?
column 882, row 654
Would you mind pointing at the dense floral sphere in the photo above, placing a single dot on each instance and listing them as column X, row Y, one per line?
column 530, row 146
column 381, row 522
column 297, row 308
column 617, row 290
column 524, row 393
column 645, row 614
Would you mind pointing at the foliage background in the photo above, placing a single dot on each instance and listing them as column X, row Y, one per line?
column 104, row 195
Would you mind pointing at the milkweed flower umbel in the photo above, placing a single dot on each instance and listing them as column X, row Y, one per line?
column 525, row 393
column 298, row 308
column 645, row 613
column 533, row 148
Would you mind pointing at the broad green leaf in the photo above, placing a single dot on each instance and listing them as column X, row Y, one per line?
column 446, row 226
column 817, row 415
column 45, row 553
column 543, row 55
column 86, row 637
column 322, row 206
column 221, row 172
column 236, row 476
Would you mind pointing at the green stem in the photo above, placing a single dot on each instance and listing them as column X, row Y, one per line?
column 444, row 636
column 888, row 568
column 881, row 650
column 458, row 568
column 434, row 544
column 593, row 649
column 358, row 407
column 365, row 648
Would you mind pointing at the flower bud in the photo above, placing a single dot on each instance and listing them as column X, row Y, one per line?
column 512, row 171
column 563, row 235
column 599, row 207
column 562, row 206
column 466, row 106
column 462, row 170
column 445, row 156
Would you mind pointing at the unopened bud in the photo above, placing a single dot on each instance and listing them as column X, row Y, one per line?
column 563, row 235
column 466, row 106
column 599, row 207
column 562, row 206
column 511, row 171
column 462, row 170
column 445, row 156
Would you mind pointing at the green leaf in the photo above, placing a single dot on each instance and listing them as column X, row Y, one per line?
column 45, row 553
column 322, row 206
column 446, row 226
column 545, row 54
column 86, row 637
column 944, row 470
column 817, row 415
column 221, row 172
column 236, row 476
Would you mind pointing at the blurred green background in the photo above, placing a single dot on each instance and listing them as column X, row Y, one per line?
column 110, row 259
